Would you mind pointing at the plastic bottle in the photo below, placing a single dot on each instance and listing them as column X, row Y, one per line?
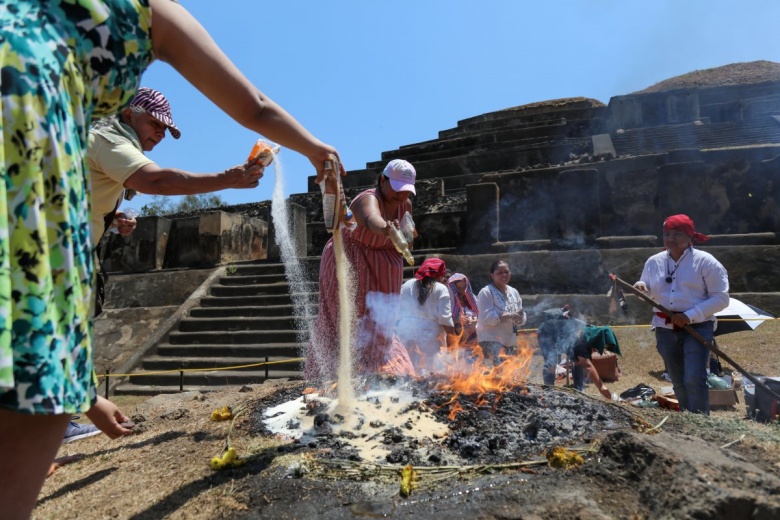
column 334, row 204
column 129, row 213
column 400, row 244
column 264, row 152
column 408, row 228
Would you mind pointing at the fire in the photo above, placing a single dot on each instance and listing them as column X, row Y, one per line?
column 468, row 374
column 462, row 370
column 456, row 407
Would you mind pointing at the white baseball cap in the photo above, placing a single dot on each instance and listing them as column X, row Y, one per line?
column 401, row 175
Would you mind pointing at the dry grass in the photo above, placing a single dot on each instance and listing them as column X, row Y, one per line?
column 755, row 351
column 164, row 471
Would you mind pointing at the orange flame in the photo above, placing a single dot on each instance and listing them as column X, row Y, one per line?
column 456, row 407
column 470, row 375
column 462, row 370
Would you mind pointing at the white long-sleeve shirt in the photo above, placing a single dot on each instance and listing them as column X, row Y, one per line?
column 423, row 323
column 492, row 304
column 699, row 286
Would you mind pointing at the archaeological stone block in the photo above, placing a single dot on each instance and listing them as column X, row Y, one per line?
column 482, row 214
column 142, row 250
column 215, row 238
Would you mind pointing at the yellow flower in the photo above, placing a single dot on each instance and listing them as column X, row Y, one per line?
column 229, row 459
column 560, row 457
column 408, row 478
column 222, row 414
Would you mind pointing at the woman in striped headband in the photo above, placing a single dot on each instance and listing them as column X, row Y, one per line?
column 464, row 309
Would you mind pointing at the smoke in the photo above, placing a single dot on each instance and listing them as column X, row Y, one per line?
column 380, row 318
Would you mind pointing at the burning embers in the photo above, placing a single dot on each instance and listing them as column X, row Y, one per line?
column 464, row 413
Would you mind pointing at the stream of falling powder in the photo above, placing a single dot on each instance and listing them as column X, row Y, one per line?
column 343, row 271
column 299, row 295
column 292, row 266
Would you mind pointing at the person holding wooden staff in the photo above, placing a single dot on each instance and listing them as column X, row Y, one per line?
column 694, row 286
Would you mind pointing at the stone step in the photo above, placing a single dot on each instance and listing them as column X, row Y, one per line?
column 152, row 390
column 253, row 279
column 517, row 145
column 238, row 323
column 536, row 115
column 466, row 143
column 229, row 350
column 233, row 337
column 560, row 128
column 268, row 289
column 191, row 362
column 260, row 268
column 252, row 311
column 575, row 122
column 230, row 300
column 473, row 165
column 483, row 125
column 213, row 378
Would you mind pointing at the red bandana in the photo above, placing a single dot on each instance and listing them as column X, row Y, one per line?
column 685, row 224
column 431, row 268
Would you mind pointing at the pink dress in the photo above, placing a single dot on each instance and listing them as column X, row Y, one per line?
column 377, row 270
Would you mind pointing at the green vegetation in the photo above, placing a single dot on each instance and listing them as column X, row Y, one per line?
column 161, row 205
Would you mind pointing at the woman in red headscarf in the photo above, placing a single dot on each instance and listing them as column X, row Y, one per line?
column 425, row 314
column 694, row 286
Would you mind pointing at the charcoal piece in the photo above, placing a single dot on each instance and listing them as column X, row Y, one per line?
column 470, row 450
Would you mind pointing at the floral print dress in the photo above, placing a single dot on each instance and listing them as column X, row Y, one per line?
column 62, row 62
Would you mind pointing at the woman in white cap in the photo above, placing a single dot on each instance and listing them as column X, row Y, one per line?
column 377, row 269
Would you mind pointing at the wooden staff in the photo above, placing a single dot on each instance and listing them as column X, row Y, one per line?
column 690, row 330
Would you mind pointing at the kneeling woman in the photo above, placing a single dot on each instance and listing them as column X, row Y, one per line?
column 425, row 316
column 593, row 338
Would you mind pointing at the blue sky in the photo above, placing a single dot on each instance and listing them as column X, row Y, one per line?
column 369, row 76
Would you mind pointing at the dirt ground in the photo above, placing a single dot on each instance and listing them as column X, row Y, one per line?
column 724, row 466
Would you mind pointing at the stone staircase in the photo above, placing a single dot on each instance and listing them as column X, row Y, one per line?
column 247, row 318
column 496, row 141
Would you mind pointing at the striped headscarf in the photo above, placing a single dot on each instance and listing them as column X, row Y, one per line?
column 471, row 300
column 157, row 106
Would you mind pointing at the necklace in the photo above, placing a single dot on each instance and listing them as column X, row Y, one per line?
column 669, row 275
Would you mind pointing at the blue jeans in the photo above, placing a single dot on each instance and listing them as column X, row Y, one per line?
column 492, row 349
column 686, row 360
column 548, row 372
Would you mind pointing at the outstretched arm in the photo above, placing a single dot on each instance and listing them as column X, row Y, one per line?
column 107, row 416
column 153, row 180
column 182, row 42
column 593, row 374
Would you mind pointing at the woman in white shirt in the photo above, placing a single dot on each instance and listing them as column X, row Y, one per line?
column 425, row 316
column 500, row 312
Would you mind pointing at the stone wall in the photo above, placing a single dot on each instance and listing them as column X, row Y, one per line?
column 138, row 307
column 724, row 192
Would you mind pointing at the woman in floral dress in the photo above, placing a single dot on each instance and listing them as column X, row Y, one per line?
column 63, row 62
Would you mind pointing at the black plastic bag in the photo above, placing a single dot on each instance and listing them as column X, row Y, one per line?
column 640, row 391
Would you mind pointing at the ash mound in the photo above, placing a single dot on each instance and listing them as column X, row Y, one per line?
column 423, row 426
